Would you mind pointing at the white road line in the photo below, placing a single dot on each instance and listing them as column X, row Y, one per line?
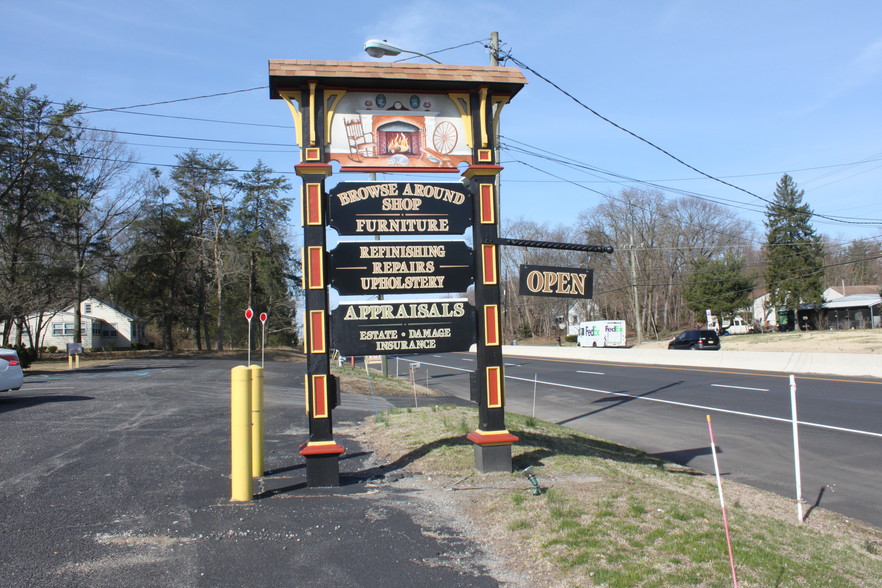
column 29, row 388
column 584, row 372
column 740, row 387
column 709, row 408
column 674, row 403
column 467, row 359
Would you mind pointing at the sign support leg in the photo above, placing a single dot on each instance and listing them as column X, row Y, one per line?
column 492, row 440
column 321, row 451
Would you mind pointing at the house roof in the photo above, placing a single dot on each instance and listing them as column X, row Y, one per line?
column 861, row 289
column 291, row 74
column 855, row 301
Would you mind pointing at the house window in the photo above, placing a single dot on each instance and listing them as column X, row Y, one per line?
column 87, row 307
column 63, row 329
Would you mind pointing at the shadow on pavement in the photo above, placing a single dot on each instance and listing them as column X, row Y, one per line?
column 19, row 402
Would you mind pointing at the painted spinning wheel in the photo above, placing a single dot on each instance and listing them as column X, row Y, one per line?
column 445, row 138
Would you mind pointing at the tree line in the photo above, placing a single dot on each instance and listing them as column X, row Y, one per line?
column 186, row 251
column 190, row 249
column 674, row 258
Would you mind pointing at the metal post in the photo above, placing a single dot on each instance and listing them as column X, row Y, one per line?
column 796, row 464
column 240, row 435
column 256, row 421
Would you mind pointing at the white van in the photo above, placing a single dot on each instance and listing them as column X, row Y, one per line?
column 602, row 334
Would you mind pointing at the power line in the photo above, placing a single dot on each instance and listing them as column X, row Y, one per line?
column 523, row 65
column 119, row 108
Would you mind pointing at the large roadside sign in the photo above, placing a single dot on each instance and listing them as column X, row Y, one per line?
column 400, row 208
column 382, row 328
column 399, row 267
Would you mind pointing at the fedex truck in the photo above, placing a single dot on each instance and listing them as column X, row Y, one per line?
column 602, row 334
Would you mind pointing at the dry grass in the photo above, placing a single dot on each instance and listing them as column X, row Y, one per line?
column 612, row 516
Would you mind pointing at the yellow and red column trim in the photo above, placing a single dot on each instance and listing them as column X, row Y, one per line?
column 315, row 268
column 320, row 396
column 494, row 387
column 488, row 204
column 488, row 267
column 491, row 325
column 317, row 334
column 312, row 204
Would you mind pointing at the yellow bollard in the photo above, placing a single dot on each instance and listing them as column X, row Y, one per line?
column 240, row 434
column 256, row 421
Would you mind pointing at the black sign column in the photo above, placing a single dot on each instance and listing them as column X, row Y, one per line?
column 320, row 451
column 492, row 440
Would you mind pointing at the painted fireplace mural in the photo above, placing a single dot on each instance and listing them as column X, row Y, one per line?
column 388, row 130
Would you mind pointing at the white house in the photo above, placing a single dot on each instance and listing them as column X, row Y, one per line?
column 835, row 292
column 104, row 326
column 762, row 313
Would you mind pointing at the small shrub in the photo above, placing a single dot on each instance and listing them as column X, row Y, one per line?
column 52, row 348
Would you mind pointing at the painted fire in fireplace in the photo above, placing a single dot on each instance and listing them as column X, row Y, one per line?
column 399, row 137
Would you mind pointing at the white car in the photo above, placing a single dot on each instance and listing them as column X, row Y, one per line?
column 11, row 376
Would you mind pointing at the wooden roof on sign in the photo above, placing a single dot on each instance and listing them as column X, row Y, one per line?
column 292, row 74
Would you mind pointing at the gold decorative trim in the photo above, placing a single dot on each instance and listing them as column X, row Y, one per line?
column 461, row 101
column 332, row 100
column 296, row 114
column 482, row 93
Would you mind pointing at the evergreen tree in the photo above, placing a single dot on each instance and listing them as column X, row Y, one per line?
column 34, row 132
column 794, row 252
column 718, row 284
column 273, row 276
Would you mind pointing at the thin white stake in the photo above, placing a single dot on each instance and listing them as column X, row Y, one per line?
column 796, row 465
column 722, row 503
column 534, row 394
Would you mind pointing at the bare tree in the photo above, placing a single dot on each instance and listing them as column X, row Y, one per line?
column 98, row 201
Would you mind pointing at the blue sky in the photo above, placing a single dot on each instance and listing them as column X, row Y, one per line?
column 743, row 91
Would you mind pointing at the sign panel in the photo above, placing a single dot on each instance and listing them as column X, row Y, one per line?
column 387, row 131
column 400, row 208
column 400, row 267
column 558, row 282
column 382, row 328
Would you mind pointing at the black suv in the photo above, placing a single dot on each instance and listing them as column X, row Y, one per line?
column 703, row 339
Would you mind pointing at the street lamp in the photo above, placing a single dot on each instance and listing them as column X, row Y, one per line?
column 377, row 49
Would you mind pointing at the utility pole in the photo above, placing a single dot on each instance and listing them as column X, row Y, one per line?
column 494, row 49
column 634, row 292
column 494, row 61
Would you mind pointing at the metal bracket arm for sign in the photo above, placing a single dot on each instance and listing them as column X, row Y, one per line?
column 554, row 245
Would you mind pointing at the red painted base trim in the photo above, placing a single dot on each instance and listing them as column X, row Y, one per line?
column 492, row 438
column 321, row 449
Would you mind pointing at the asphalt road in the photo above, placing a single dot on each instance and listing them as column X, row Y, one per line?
column 663, row 410
column 118, row 476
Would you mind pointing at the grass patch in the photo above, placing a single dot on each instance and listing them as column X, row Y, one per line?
column 609, row 515
column 354, row 380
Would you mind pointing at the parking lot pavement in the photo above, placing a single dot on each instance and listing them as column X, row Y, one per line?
column 118, row 476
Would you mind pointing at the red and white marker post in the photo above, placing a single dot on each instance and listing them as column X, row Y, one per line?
column 249, row 314
column 263, row 318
